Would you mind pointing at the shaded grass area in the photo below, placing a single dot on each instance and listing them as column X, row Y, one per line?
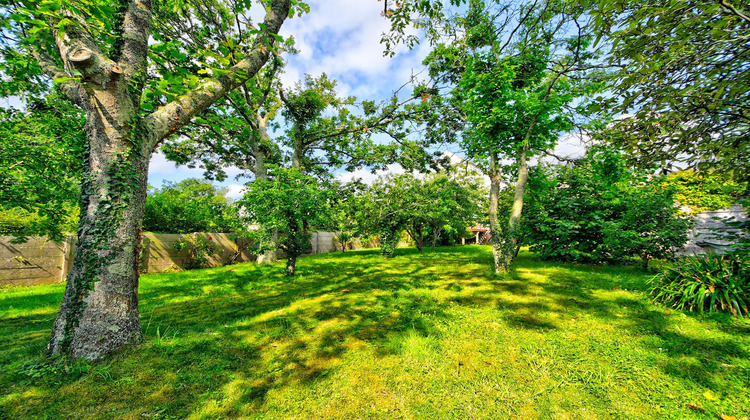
column 433, row 336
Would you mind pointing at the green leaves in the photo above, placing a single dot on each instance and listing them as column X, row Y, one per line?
column 684, row 65
column 41, row 155
column 189, row 206
column 707, row 282
column 599, row 210
column 290, row 204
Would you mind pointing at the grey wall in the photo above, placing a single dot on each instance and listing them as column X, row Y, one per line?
column 40, row 261
column 711, row 231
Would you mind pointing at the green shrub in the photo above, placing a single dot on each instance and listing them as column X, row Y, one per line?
column 711, row 282
column 199, row 250
column 600, row 210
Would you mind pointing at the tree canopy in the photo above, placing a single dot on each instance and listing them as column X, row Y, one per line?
column 683, row 75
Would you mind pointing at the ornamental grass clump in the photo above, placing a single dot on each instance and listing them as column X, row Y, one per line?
column 710, row 282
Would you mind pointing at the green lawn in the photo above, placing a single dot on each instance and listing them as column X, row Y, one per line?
column 423, row 336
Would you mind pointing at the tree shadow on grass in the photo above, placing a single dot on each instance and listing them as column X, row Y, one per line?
column 219, row 341
column 688, row 358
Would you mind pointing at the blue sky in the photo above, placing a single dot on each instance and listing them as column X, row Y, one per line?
column 342, row 39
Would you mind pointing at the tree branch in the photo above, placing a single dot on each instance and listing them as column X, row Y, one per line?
column 734, row 10
column 177, row 113
column 71, row 88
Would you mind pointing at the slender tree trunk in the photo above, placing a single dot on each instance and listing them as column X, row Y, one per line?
column 509, row 240
column 496, row 232
column 291, row 265
column 644, row 262
column 261, row 174
column 415, row 231
column 435, row 236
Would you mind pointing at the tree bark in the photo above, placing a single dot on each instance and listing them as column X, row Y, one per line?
column 291, row 265
column 509, row 241
column 415, row 231
column 99, row 311
column 435, row 236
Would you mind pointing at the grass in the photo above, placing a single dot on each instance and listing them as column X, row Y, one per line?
column 422, row 336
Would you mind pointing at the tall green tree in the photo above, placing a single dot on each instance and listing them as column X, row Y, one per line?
column 288, row 205
column 104, row 57
column 512, row 73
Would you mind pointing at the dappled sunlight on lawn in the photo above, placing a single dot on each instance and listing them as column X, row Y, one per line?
column 432, row 335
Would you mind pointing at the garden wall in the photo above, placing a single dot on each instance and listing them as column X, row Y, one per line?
column 710, row 233
column 39, row 261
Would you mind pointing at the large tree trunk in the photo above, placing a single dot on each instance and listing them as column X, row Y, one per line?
column 99, row 312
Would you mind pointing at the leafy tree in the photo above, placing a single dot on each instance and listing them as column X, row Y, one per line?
column 439, row 201
column 683, row 73
column 512, row 73
column 137, row 82
column 343, row 216
column 422, row 207
column 189, row 206
column 40, row 168
column 600, row 210
column 289, row 203
column 324, row 132
column 381, row 212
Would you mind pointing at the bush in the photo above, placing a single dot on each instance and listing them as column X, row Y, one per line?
column 188, row 206
column 711, row 282
column 599, row 210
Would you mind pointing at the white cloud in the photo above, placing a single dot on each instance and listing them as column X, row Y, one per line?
column 161, row 168
column 342, row 38
column 235, row 191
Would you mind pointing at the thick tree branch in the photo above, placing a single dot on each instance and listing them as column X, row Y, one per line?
column 71, row 88
column 734, row 10
column 136, row 26
column 177, row 113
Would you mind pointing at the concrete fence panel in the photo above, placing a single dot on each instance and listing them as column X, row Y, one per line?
column 39, row 261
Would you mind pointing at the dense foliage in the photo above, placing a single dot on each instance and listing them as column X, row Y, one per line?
column 706, row 282
column 189, row 206
column 424, row 207
column 682, row 70
column 508, row 76
column 285, row 209
column 41, row 154
column 600, row 210
column 701, row 191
